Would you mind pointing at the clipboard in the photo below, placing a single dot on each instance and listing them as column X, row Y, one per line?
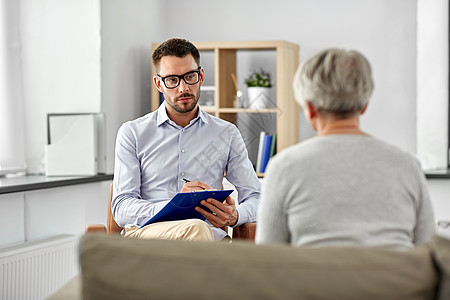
column 182, row 206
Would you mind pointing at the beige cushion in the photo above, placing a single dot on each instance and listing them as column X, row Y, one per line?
column 121, row 268
column 441, row 249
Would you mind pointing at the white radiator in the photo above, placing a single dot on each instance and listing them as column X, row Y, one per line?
column 35, row 270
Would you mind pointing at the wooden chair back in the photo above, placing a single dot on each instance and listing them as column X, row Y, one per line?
column 111, row 225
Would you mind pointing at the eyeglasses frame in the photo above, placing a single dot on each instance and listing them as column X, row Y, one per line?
column 163, row 79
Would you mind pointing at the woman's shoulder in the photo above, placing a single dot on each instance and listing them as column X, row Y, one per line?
column 298, row 151
column 388, row 149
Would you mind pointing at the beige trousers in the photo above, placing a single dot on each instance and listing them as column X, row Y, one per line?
column 190, row 230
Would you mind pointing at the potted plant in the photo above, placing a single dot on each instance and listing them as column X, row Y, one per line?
column 258, row 79
column 259, row 89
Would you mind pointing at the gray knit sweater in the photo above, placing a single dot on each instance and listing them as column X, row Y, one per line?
column 344, row 190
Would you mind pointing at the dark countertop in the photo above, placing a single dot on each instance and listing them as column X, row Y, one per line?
column 24, row 183
column 438, row 174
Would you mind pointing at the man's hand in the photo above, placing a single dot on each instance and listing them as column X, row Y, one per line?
column 192, row 186
column 222, row 214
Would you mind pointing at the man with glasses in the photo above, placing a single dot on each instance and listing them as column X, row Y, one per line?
column 180, row 148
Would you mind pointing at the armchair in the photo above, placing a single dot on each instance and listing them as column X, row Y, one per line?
column 245, row 231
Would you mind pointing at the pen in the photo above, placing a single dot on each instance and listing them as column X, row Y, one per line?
column 202, row 189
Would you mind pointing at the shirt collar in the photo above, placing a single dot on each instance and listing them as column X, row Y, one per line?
column 162, row 114
column 202, row 115
column 163, row 117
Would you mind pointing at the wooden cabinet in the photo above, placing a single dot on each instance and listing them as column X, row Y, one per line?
column 225, row 58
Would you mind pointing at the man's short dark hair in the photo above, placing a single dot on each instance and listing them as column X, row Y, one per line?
column 175, row 47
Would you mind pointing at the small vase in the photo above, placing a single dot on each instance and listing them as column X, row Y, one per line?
column 260, row 97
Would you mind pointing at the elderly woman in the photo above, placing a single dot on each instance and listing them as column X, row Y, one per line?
column 342, row 187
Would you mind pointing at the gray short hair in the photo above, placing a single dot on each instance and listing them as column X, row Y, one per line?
column 335, row 81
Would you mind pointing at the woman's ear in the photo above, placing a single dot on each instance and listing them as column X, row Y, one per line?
column 310, row 110
column 364, row 108
column 311, row 114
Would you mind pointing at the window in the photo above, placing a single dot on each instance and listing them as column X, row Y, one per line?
column 12, row 144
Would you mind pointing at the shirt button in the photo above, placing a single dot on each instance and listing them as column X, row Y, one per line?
column 182, row 174
column 182, row 151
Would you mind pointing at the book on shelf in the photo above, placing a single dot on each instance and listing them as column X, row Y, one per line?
column 273, row 146
column 265, row 154
column 267, row 148
column 261, row 143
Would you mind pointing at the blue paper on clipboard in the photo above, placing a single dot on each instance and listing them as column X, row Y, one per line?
column 182, row 206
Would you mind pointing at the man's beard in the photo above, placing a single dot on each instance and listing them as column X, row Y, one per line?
column 184, row 108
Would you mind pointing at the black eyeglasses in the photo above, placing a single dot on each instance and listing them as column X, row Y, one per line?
column 172, row 81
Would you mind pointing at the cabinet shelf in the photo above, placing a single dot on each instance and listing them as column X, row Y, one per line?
column 225, row 64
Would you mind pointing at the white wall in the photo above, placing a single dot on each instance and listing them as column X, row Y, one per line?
column 128, row 29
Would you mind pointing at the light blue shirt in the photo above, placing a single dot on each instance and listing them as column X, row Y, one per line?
column 153, row 155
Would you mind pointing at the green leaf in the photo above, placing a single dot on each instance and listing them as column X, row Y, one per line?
column 258, row 79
